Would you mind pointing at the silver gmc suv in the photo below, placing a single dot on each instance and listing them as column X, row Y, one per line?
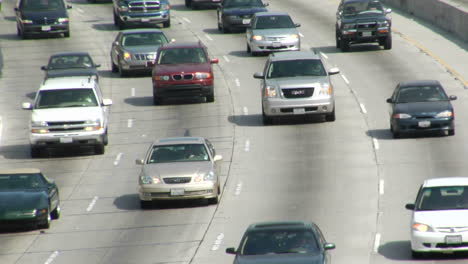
column 296, row 83
column 68, row 111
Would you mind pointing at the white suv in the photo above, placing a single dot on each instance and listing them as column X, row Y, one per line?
column 68, row 111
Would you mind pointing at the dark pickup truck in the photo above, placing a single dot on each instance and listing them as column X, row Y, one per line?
column 141, row 12
column 362, row 21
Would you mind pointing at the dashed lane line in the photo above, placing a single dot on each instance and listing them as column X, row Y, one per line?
column 377, row 242
column 218, row 242
column 226, row 58
column 117, row 159
column 52, row 257
column 92, row 204
column 345, row 79
column 363, row 108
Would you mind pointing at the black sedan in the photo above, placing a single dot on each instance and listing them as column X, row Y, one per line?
column 27, row 197
column 421, row 106
column 236, row 14
column 282, row 242
column 71, row 64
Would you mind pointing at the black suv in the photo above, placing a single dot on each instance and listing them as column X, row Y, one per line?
column 236, row 14
column 362, row 21
column 35, row 17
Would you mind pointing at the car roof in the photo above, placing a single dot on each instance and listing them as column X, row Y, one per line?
column 294, row 55
column 19, row 171
column 280, row 225
column 142, row 30
column 178, row 140
column 271, row 13
column 447, row 181
column 72, row 53
column 68, row 82
column 420, row 83
column 193, row 44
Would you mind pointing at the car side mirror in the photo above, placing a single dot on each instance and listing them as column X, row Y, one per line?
column 333, row 71
column 453, row 97
column 217, row 158
column 140, row 162
column 16, row 9
column 106, row 102
column 410, row 206
column 328, row 246
column 214, row 61
column 259, row 75
column 26, row 106
column 69, row 6
column 231, row 250
column 116, row 43
column 97, row 65
column 44, row 68
column 389, row 100
column 297, row 24
column 388, row 11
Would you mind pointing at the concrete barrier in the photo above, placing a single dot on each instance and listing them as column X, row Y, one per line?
column 441, row 13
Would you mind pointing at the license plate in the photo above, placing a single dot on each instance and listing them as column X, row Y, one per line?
column 298, row 111
column 149, row 63
column 424, row 123
column 177, row 192
column 46, row 28
column 66, row 140
column 145, row 20
column 246, row 21
column 276, row 44
column 453, row 239
column 366, row 33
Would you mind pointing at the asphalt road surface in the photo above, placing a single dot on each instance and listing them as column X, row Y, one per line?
column 348, row 176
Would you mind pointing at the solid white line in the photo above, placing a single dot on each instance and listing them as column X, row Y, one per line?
column 376, row 144
column 381, row 187
column 133, row 91
column 237, row 82
column 238, row 189
column 117, row 159
column 324, row 55
column 218, row 242
column 1, row 129
column 226, row 58
column 52, row 257
column 247, row 146
column 377, row 242
column 208, row 37
column 186, row 20
column 363, row 108
column 92, row 204
column 300, row 34
column 245, row 110
column 130, row 123
column 345, row 79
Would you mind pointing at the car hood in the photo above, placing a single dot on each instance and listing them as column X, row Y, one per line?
column 178, row 169
column 239, row 11
column 49, row 14
column 425, row 108
column 275, row 32
column 18, row 200
column 299, row 82
column 280, row 259
column 142, row 49
column 442, row 218
column 72, row 72
column 67, row 114
column 182, row 68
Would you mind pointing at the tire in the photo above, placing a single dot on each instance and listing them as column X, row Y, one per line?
column 116, row 20
column 159, row 101
column 388, row 43
column 382, row 41
column 451, row 132
column 331, row 117
column 167, row 23
column 99, row 149
column 114, row 67
column 145, row 204
column 46, row 223
column 122, row 72
column 344, row 45
column 18, row 31
column 337, row 39
column 210, row 98
column 267, row 120
column 105, row 138
column 248, row 49
column 35, row 152
column 66, row 34
column 214, row 200
column 56, row 213
column 188, row 3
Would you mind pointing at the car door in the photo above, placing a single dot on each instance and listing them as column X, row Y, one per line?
column 52, row 191
column 249, row 30
column 391, row 105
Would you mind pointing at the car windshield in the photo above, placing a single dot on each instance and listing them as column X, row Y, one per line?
column 421, row 94
column 182, row 55
column 70, row 61
column 362, row 7
column 279, row 242
column 66, row 98
column 243, row 3
column 21, row 181
column 267, row 22
column 41, row 5
column 179, row 153
column 443, row 198
column 143, row 39
column 293, row 68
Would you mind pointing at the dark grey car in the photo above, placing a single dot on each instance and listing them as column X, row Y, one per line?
column 71, row 64
column 135, row 50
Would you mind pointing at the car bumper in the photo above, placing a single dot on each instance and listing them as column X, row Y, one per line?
column 22, row 221
column 178, row 192
column 285, row 107
column 436, row 242
column 237, row 22
column 419, row 125
column 137, row 65
column 141, row 19
column 365, row 36
column 270, row 46
column 45, row 29
column 69, row 138
column 205, row 2
column 183, row 89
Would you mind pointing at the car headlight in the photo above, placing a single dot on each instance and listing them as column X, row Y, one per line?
column 422, row 227
column 445, row 114
column 202, row 75
column 166, row 7
column 93, row 125
column 63, row 20
column 401, row 116
column 326, row 89
column 41, row 211
column 127, row 56
column 162, row 77
column 123, row 8
column 349, row 26
column 29, row 213
column 145, row 179
column 257, row 37
column 270, row 91
column 383, row 23
column 38, row 127
column 26, row 21
column 293, row 36
column 151, row 56
column 39, row 123
column 210, row 176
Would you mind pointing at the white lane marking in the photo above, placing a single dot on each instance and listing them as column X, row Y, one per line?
column 130, row 122
column 300, row 34
column 237, row 82
column 117, row 159
column 1, row 128
column 363, row 108
column 381, row 187
column 377, row 242
column 92, row 204
column 208, row 37
column 80, row 10
column 345, row 79
column 52, row 257
column 133, row 92
column 238, row 189
column 186, row 20
column 324, row 55
column 226, row 58
column 245, row 110
column 376, row 144
column 218, row 241
column 247, row 146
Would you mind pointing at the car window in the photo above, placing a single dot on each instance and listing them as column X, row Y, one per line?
column 70, row 61
column 41, row 5
column 443, row 198
column 362, row 7
column 293, row 68
column 279, row 242
column 421, row 94
column 21, row 181
column 143, row 39
column 267, row 22
column 179, row 153
column 66, row 98
column 182, row 55
column 240, row 3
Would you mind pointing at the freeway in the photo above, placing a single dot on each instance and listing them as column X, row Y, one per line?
column 349, row 176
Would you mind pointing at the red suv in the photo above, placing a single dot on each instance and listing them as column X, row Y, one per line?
column 183, row 70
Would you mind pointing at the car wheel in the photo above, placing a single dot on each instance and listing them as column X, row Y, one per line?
column 114, row 67
column 225, row 29
column 388, row 43
column 396, row 134
column 188, row 3
column 344, row 45
column 18, row 31
column 451, row 132
column 158, row 100
column 214, row 200
column 116, row 19
column 35, row 152
column 167, row 23
column 331, row 117
column 337, row 39
column 66, row 34
column 248, row 49
column 56, row 213
column 210, row 98
column 267, row 120
column 145, row 204
column 122, row 72
column 46, row 223
column 105, row 138
column 99, row 149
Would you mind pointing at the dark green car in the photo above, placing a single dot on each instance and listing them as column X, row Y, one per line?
column 27, row 197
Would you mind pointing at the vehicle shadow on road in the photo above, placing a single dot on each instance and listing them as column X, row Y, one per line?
column 256, row 120
column 105, row 27
column 242, row 54
column 15, row 152
column 148, row 101
column 12, row 37
column 353, row 49
column 401, row 250
column 213, row 31
column 130, row 202
column 380, row 134
column 385, row 134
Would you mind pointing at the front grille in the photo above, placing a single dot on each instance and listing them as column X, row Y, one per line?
column 444, row 245
column 452, row 229
column 66, row 126
column 298, row 92
column 245, row 16
column 65, row 123
column 306, row 109
column 369, row 25
column 45, row 21
column 275, row 38
column 181, row 77
column 177, row 180
column 143, row 7
column 144, row 56
column 424, row 117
